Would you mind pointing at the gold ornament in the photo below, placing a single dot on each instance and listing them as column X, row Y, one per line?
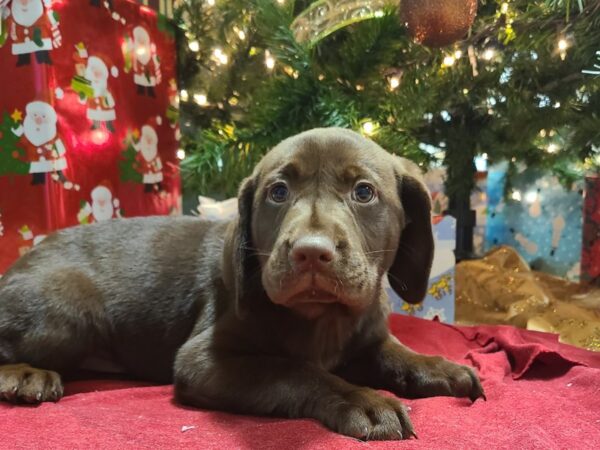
column 437, row 23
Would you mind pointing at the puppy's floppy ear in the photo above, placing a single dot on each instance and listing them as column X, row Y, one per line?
column 237, row 250
column 409, row 274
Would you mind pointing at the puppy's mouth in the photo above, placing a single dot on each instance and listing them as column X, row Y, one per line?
column 313, row 295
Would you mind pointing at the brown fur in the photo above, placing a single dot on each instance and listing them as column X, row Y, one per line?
column 224, row 310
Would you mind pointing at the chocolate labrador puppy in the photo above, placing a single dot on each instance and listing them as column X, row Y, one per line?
column 278, row 312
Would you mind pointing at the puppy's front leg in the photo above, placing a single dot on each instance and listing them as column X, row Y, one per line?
column 266, row 385
column 391, row 366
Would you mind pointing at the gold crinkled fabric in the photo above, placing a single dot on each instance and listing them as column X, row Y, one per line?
column 500, row 288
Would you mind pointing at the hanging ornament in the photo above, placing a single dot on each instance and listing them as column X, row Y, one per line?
column 434, row 23
column 324, row 17
column 437, row 23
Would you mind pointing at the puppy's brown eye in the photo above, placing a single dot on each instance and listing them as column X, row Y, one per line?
column 279, row 192
column 363, row 193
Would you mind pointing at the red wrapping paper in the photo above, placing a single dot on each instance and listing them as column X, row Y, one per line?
column 88, row 117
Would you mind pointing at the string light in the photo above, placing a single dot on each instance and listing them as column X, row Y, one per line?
column 563, row 44
column 448, row 61
column 201, row 99
column 504, row 8
column 489, row 54
column 516, row 195
column 552, row 148
column 368, row 127
column 211, row 2
column 241, row 34
column 394, row 82
column 269, row 60
column 183, row 95
column 194, row 46
column 221, row 57
column 458, row 54
column 181, row 154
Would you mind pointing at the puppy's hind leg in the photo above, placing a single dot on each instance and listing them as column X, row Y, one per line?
column 48, row 323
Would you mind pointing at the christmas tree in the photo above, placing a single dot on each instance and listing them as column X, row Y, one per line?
column 128, row 166
column 12, row 157
column 520, row 85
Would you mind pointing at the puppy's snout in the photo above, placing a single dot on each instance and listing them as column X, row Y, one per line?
column 312, row 252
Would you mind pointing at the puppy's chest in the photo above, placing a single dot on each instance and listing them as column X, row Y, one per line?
column 322, row 345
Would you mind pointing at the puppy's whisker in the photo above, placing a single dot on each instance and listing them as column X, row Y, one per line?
column 380, row 251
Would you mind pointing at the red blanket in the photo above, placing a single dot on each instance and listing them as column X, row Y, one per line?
column 541, row 394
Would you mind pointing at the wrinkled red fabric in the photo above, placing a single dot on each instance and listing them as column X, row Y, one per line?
column 541, row 395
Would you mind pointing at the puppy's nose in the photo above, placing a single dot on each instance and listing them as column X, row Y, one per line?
column 312, row 252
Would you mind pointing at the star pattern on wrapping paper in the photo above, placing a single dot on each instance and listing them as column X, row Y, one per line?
column 17, row 115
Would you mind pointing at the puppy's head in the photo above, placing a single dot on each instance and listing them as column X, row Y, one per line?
column 325, row 215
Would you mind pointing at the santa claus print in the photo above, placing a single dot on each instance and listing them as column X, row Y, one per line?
column 103, row 206
column 29, row 239
column 144, row 62
column 44, row 149
column 147, row 161
column 91, row 83
column 33, row 29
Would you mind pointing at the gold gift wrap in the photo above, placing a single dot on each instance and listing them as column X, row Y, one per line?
column 500, row 288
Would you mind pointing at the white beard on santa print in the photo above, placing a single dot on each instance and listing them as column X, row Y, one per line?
column 102, row 204
column 26, row 12
column 39, row 124
column 148, row 143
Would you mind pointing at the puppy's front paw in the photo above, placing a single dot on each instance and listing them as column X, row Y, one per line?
column 23, row 383
column 366, row 415
column 433, row 375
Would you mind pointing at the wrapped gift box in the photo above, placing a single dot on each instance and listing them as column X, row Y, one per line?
column 539, row 217
column 590, row 248
column 81, row 138
column 439, row 301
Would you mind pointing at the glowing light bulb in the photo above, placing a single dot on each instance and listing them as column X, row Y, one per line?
column 458, row 54
column 241, row 34
column 563, row 44
column 368, row 127
column 210, row 2
column 221, row 57
column 516, row 195
column 181, row 154
column 449, row 60
column 201, row 99
column 394, row 82
column 194, row 46
column 269, row 60
column 552, row 148
column 489, row 54
column 504, row 8
column 183, row 95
